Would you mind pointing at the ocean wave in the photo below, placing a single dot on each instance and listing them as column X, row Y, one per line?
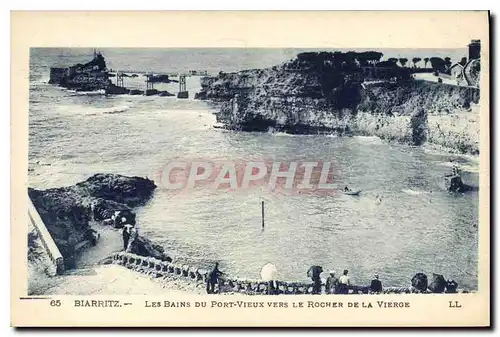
column 92, row 111
column 369, row 139
column 115, row 110
column 471, row 166
column 414, row 192
column 86, row 93
column 280, row 134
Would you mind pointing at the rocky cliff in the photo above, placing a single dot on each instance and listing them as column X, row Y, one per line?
column 90, row 76
column 318, row 95
column 67, row 211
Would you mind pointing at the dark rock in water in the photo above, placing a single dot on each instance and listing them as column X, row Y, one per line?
column 183, row 94
column 165, row 94
column 454, row 183
column 159, row 79
column 438, row 284
column 131, row 191
column 451, row 287
column 200, row 95
column 66, row 211
column 136, row 92
column 151, row 92
column 419, row 282
column 146, row 247
column 116, row 90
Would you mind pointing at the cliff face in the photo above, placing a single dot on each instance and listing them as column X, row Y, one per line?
column 66, row 211
column 320, row 98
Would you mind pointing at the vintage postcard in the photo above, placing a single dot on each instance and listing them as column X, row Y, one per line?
column 256, row 169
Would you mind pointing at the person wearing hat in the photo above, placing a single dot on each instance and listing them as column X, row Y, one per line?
column 344, row 283
column 331, row 283
column 213, row 278
column 126, row 232
column 376, row 285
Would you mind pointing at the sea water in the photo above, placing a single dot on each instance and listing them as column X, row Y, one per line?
column 418, row 227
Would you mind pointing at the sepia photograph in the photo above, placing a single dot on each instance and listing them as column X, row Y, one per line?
column 255, row 174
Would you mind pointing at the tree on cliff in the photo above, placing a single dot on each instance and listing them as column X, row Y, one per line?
column 387, row 64
column 415, row 60
column 393, row 60
column 403, row 61
column 438, row 64
column 369, row 57
column 447, row 61
column 350, row 59
column 418, row 127
column 426, row 60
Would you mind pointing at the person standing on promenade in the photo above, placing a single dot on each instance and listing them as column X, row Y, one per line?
column 376, row 285
column 126, row 236
column 344, row 283
column 213, row 278
column 332, row 282
column 314, row 273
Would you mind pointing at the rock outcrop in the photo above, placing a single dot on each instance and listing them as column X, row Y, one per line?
column 317, row 94
column 67, row 211
column 90, row 76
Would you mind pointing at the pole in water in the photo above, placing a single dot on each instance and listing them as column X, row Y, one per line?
column 262, row 214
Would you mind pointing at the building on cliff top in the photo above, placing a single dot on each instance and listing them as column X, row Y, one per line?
column 472, row 68
column 457, row 73
column 468, row 74
column 474, row 49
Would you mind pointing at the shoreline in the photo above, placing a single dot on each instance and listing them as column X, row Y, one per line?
column 170, row 274
column 428, row 147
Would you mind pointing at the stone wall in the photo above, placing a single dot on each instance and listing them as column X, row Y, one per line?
column 45, row 238
column 163, row 269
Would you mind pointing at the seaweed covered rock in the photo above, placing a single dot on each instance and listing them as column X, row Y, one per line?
column 132, row 191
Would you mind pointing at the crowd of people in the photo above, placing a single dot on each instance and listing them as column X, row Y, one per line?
column 342, row 284
column 333, row 285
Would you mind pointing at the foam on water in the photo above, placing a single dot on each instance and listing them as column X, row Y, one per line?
column 72, row 110
column 414, row 192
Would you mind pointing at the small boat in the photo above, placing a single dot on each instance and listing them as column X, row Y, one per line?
column 351, row 192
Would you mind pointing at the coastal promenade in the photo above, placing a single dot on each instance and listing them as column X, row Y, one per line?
column 90, row 277
column 106, row 269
